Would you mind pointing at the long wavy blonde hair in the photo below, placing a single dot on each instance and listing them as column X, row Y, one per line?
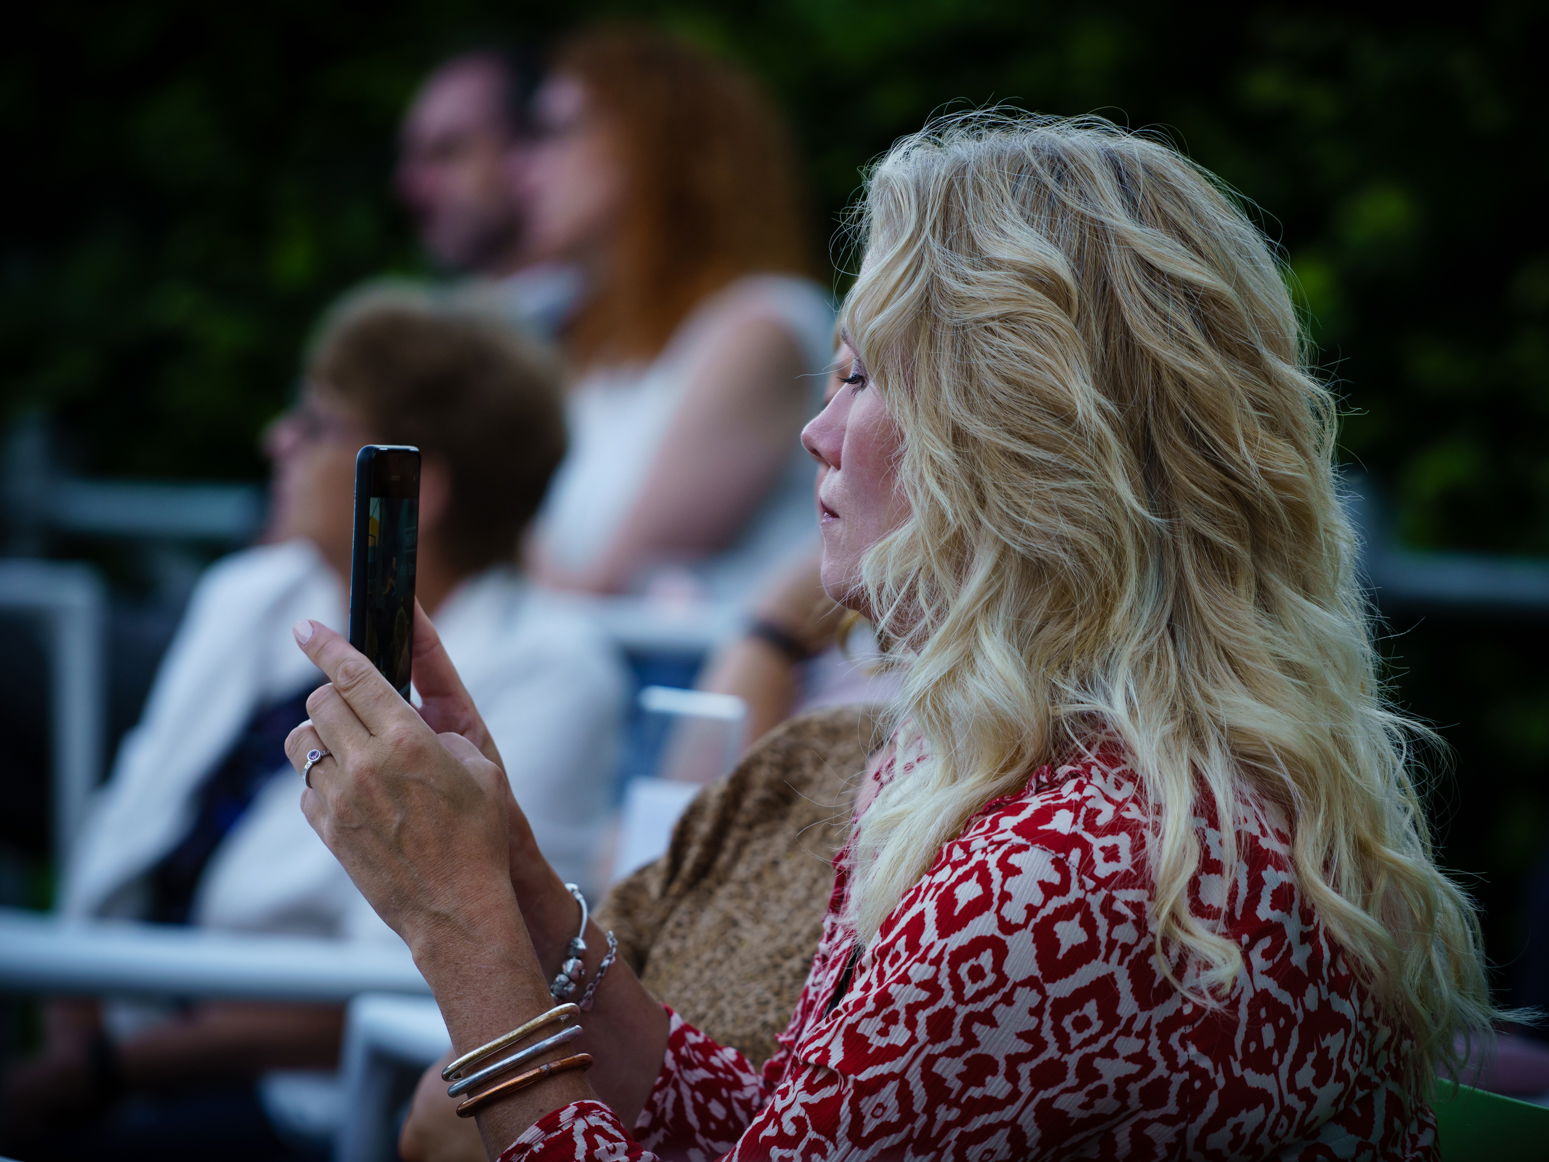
column 1125, row 524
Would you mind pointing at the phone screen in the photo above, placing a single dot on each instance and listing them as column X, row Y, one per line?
column 387, row 489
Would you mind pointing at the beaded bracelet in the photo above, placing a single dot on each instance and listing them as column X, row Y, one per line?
column 585, row 1003
column 520, row 1057
column 573, row 971
column 559, row 1014
column 521, row 1081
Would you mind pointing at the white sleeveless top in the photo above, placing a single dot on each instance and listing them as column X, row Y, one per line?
column 619, row 416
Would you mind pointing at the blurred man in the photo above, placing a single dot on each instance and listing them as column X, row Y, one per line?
column 461, row 152
column 457, row 141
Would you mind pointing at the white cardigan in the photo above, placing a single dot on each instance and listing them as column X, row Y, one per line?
column 549, row 685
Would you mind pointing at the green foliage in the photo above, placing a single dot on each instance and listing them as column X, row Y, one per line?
column 199, row 183
column 194, row 183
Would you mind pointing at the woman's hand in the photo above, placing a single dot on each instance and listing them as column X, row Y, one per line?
column 447, row 708
column 445, row 704
column 419, row 819
column 427, row 827
column 763, row 674
column 433, row 1132
column 795, row 602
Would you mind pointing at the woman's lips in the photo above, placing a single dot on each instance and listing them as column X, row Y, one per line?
column 825, row 513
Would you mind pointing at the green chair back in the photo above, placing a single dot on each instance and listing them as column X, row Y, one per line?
column 1473, row 1125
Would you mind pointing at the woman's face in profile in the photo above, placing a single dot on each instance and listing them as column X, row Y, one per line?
column 856, row 444
column 312, row 485
column 573, row 184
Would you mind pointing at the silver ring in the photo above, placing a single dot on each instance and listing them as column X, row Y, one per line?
column 314, row 756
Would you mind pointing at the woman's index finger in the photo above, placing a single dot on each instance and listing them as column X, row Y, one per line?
column 445, row 703
column 434, row 674
column 358, row 682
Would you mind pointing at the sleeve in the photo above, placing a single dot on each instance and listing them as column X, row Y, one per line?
column 583, row 1129
column 996, row 1013
column 703, row 1099
column 209, row 679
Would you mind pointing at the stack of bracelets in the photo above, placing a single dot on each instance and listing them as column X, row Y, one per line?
column 468, row 1072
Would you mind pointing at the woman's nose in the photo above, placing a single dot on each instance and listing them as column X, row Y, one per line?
column 279, row 436
column 823, row 437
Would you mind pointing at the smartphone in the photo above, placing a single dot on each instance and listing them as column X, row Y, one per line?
column 387, row 506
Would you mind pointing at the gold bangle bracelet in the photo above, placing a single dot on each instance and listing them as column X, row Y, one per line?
column 469, row 1106
column 488, row 1073
column 559, row 1014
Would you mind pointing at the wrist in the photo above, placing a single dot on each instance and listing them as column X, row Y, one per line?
column 488, row 925
column 551, row 914
column 780, row 637
column 532, row 877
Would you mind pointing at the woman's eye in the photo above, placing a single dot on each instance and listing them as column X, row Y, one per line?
column 856, row 379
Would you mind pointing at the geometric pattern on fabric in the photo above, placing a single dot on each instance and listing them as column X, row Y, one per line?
column 1012, row 1007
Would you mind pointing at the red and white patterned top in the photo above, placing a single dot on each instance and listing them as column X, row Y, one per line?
column 1011, row 1007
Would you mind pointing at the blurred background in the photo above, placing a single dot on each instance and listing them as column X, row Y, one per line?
column 191, row 184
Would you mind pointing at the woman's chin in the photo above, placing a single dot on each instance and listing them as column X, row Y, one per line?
column 844, row 588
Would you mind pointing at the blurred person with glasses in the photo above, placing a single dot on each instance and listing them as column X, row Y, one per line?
column 198, row 824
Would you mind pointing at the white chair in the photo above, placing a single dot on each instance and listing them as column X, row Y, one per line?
column 388, row 1042
column 71, row 601
column 698, row 737
column 44, row 954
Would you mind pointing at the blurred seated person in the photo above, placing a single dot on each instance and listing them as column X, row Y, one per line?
column 668, row 182
column 799, row 650
column 461, row 150
column 198, row 823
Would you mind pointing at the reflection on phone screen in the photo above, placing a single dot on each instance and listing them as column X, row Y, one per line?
column 391, row 534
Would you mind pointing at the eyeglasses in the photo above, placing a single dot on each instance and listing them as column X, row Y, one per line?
column 313, row 425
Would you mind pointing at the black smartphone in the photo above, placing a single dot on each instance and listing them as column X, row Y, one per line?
column 387, row 509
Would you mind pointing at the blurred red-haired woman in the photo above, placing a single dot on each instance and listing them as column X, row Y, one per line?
column 667, row 179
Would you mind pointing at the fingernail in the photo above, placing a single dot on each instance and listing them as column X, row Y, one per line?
column 303, row 631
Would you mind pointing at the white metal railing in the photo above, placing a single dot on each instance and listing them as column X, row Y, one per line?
column 44, row 954
column 71, row 602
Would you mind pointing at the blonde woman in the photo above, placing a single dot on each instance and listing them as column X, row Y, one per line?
column 1141, row 873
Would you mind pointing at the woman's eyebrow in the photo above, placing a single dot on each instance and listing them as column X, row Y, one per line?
column 849, row 345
